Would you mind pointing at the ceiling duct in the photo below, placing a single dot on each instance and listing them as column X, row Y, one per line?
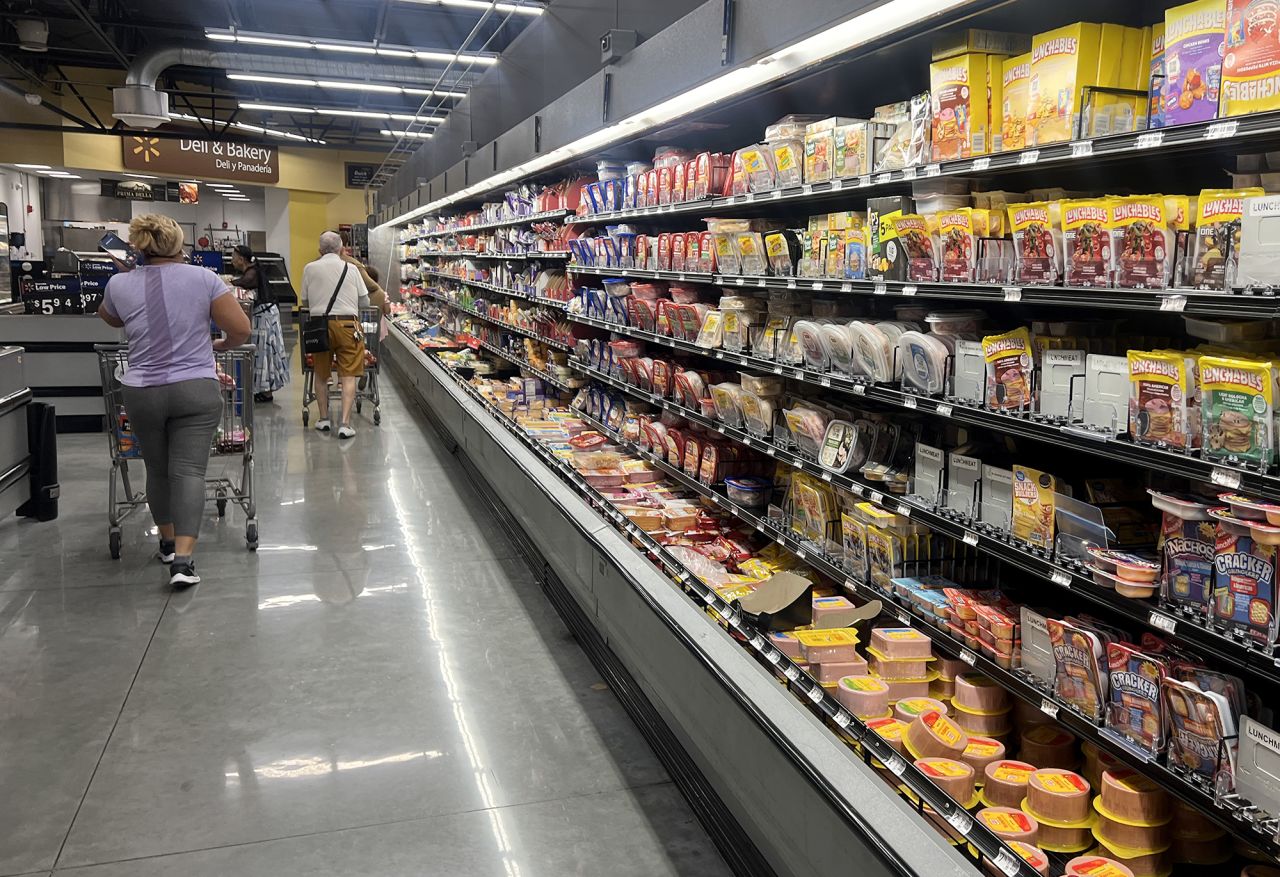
column 139, row 104
column 33, row 34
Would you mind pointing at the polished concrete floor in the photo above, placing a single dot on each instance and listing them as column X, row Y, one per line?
column 380, row 690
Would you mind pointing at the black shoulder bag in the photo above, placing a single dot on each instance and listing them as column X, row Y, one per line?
column 315, row 331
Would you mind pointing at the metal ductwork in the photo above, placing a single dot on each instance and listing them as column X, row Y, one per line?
column 139, row 104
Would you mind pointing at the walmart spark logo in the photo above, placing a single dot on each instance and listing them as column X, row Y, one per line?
column 147, row 147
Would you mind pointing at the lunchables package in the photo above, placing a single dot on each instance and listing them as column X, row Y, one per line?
column 907, row 248
column 1163, row 396
column 1142, row 242
column 1218, row 213
column 1086, row 242
column 1037, row 242
column 1033, row 506
column 958, row 241
column 1010, row 361
column 1193, row 42
column 1014, row 99
column 1251, row 66
column 1199, row 725
column 1155, row 78
column 1237, row 410
column 959, row 92
column 1063, row 61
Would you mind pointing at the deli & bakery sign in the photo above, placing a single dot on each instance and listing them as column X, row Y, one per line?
column 202, row 158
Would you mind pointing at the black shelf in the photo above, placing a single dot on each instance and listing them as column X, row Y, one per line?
column 510, row 357
column 511, row 222
column 508, row 327
column 1190, row 301
column 501, row 290
column 563, row 254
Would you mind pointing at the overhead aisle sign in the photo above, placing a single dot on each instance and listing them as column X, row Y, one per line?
column 226, row 159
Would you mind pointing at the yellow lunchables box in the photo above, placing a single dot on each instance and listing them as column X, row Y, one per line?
column 1015, row 97
column 959, row 90
column 1063, row 61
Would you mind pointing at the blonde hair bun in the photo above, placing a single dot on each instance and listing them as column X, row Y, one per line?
column 156, row 235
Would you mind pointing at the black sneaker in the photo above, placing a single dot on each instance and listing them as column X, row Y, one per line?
column 166, row 552
column 183, row 575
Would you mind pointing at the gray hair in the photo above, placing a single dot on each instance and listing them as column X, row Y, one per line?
column 330, row 242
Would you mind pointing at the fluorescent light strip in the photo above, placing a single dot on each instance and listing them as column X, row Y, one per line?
column 217, row 185
column 481, row 5
column 345, row 85
column 259, row 39
column 244, row 126
column 34, row 167
column 142, row 176
column 839, row 39
column 354, row 114
column 421, row 135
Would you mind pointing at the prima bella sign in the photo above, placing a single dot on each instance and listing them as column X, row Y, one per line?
column 230, row 160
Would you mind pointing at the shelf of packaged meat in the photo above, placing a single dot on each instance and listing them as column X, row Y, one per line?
column 510, row 222
column 502, row 324
column 463, row 254
column 501, row 290
column 833, row 755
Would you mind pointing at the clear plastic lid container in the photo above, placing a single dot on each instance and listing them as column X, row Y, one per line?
column 757, row 413
column 839, row 341
column 872, row 351
column 922, row 360
column 727, row 403
column 750, row 492
column 965, row 322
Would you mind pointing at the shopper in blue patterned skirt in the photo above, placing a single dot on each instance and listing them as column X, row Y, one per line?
column 270, row 362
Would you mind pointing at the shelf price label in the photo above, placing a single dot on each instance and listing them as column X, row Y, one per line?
column 859, row 390
column 876, row 497
column 933, row 170
column 960, row 821
column 791, row 284
column 846, row 287
column 825, row 381
column 1008, row 862
column 1150, row 140
column 1176, row 303
column 1081, row 148
column 826, row 476
column 981, row 164
column 816, row 286
column 1031, row 156
column 864, row 180
column 791, row 672
column 970, row 537
column 880, row 289
column 1163, row 622
column 772, row 656
column 806, row 189
column 944, row 409
column 1225, row 477
column 815, row 694
column 1061, row 577
column 1048, row 707
column 776, row 194
column 895, row 764
column 968, row 657
column 909, row 290
column 1219, row 130
column 837, row 184
column 884, row 178
column 909, row 402
column 842, row 719
column 1012, row 293
column 909, row 173
column 904, row 510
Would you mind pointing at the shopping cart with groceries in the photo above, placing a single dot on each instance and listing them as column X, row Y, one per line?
column 366, row 390
column 234, row 437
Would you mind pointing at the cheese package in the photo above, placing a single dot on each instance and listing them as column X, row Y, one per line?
column 854, row 541
column 1037, row 242
column 1218, row 214
column 1155, row 78
column 958, row 242
column 1015, row 100
column 1135, row 709
column 1063, row 61
column 1078, row 681
column 1086, row 242
column 1009, row 365
column 959, row 93
column 1237, row 407
column 1193, row 45
column 1251, row 69
column 1142, row 242
column 1162, row 410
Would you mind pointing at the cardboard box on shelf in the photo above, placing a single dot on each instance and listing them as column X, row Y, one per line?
column 995, row 98
column 1251, row 69
column 991, row 42
column 1015, row 95
column 958, row 87
column 1063, row 61
column 1194, row 34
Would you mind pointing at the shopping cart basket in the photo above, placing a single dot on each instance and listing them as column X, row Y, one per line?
column 234, row 436
column 367, row 390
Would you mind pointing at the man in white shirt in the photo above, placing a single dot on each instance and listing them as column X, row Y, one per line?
column 330, row 278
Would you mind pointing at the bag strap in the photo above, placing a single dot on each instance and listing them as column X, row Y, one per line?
column 338, row 288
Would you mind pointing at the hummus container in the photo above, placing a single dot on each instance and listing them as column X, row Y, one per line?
column 922, row 362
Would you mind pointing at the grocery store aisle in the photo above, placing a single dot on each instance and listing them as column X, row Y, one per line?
column 381, row 689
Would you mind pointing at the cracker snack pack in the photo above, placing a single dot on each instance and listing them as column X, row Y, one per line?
column 1218, row 214
column 1063, row 61
column 1136, row 708
column 1244, row 582
column 1078, row 679
column 1009, row 360
column 1237, row 410
column 1193, row 42
column 1037, row 242
column 1033, row 506
column 1251, row 67
column 958, row 87
column 1015, row 97
column 1086, row 239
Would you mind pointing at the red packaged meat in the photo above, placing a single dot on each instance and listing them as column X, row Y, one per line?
column 677, row 251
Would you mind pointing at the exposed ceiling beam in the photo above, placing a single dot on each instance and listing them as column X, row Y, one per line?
column 97, row 30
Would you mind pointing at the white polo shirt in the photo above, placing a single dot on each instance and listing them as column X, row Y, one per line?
column 319, row 278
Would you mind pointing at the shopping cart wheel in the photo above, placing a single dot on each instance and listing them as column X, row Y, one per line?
column 222, row 503
column 377, row 416
column 359, row 405
column 114, row 540
column 251, row 535
column 306, row 417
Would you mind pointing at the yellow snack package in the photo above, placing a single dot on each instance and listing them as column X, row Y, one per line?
column 958, row 88
column 1033, row 506
column 1086, row 242
column 1010, row 360
column 1218, row 213
column 1142, row 241
column 1237, row 409
column 1063, row 61
column 1014, row 102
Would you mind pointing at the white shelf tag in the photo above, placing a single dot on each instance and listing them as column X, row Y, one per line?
column 815, row 694
column 904, row 510
column 1031, row 156
column 968, row 657
column 908, row 290
column 791, row 284
column 1061, row 577
column 970, row 537
column 864, row 180
column 1150, row 140
column 837, row 185
column 1177, row 303
column 859, row 390
column 773, row 657
column 846, row 287
column 730, row 199
column 1049, row 708
column 825, row 381
column 816, row 286
column 981, row 164
column 738, row 280
column 960, row 821
column 1163, row 622
column 777, row 369
column 933, row 170
column 842, row 719
column 1225, row 477
column 1012, row 293
column 801, row 554
column 826, row 476
column 1008, row 862
column 681, row 278
column 909, row 402
column 771, row 452
column 876, row 497
column 1081, row 148
column 884, row 178
column 757, row 642
column 806, row 189
column 791, row 672
column 880, row 289
column 776, row 194
column 908, row 173
column 1219, row 130
column 944, row 409
column 895, row 764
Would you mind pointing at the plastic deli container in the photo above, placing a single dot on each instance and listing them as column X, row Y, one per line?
column 750, row 492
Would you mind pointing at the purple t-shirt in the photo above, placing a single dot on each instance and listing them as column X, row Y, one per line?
column 165, row 310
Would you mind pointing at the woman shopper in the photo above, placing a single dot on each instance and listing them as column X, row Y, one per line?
column 270, row 360
column 171, row 392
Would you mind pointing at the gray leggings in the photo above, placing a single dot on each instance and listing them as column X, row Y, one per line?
column 174, row 424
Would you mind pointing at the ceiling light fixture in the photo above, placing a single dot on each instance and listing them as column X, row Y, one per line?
column 34, row 167
column 220, row 185
column 484, row 59
column 244, row 126
column 326, row 111
column 421, row 135
column 142, row 176
column 863, row 28
column 347, row 85
column 481, row 5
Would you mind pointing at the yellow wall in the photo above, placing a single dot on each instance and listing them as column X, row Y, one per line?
column 308, row 219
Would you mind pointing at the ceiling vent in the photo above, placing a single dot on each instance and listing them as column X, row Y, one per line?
column 33, row 34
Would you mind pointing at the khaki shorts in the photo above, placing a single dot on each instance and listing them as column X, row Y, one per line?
column 346, row 345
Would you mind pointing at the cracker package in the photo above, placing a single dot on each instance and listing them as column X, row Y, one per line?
column 1014, row 99
column 1142, row 242
column 1063, row 61
column 1086, row 242
column 1237, row 405
column 1136, row 709
column 1193, row 42
column 1037, row 242
column 1077, row 653
column 1033, row 506
column 1251, row 69
column 958, row 87
column 1218, row 213
column 1197, row 728
column 1244, row 583
column 1161, row 399
column 1009, row 359
column 958, row 241
column 1155, row 78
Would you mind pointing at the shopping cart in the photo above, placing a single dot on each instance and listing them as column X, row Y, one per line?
column 367, row 389
column 234, row 436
